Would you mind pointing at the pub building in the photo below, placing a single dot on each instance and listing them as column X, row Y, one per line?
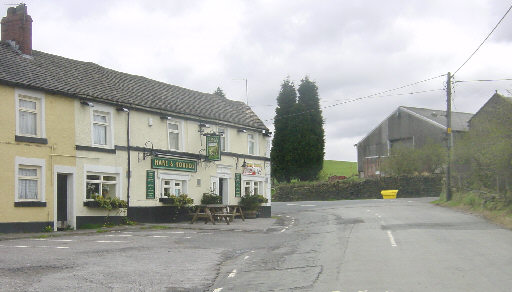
column 74, row 130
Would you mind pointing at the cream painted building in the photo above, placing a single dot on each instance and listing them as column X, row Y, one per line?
column 72, row 130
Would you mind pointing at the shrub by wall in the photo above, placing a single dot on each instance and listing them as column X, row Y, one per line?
column 407, row 186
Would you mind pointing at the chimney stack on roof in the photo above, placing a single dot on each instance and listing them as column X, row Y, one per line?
column 17, row 27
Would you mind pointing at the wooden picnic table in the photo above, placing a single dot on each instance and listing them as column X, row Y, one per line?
column 211, row 212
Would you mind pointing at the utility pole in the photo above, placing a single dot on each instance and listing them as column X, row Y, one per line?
column 449, row 138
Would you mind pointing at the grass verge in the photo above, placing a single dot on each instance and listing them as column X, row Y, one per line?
column 496, row 211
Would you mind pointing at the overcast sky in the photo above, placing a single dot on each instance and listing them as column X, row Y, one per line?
column 350, row 49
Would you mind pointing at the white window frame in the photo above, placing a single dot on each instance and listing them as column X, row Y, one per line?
column 108, row 112
column 39, row 98
column 179, row 132
column 102, row 182
column 105, row 170
column 224, row 137
column 172, row 187
column 21, row 162
column 255, row 141
column 173, row 178
column 252, row 184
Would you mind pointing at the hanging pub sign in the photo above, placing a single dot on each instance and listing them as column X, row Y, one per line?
column 150, row 184
column 253, row 169
column 174, row 164
column 238, row 184
column 213, row 147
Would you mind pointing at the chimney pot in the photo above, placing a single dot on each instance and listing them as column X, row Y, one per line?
column 17, row 27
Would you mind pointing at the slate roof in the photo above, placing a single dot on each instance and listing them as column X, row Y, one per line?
column 90, row 81
column 459, row 120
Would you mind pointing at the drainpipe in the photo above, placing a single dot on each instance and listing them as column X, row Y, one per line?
column 129, row 162
column 129, row 171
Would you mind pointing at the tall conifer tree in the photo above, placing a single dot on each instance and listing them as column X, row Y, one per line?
column 282, row 155
column 310, row 145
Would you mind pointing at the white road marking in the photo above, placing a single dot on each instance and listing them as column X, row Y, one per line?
column 109, row 241
column 218, row 290
column 391, row 238
column 279, row 215
column 39, row 239
column 252, row 250
column 120, row 235
column 177, row 232
column 308, row 205
column 409, row 201
column 232, row 274
column 62, row 247
column 20, row 246
column 291, row 204
column 287, row 216
column 42, row 246
column 160, row 236
column 188, row 237
column 246, row 257
column 283, row 230
column 62, row 240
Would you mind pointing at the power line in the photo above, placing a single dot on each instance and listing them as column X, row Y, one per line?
column 402, row 87
column 378, row 94
column 496, row 26
column 483, row 80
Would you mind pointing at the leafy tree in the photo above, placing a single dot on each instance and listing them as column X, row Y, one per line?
column 282, row 154
column 483, row 157
column 404, row 160
column 219, row 92
column 310, row 147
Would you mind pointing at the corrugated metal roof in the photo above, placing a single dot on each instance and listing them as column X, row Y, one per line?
column 459, row 120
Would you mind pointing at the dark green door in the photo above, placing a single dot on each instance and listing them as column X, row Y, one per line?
column 62, row 197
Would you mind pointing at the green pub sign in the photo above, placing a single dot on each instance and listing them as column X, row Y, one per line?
column 238, row 184
column 174, row 164
column 150, row 184
column 213, row 147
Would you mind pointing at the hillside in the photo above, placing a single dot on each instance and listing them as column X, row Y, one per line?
column 333, row 167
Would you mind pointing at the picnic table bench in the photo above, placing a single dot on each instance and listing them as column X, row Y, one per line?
column 212, row 212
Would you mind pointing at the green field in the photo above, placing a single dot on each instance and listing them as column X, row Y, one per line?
column 333, row 167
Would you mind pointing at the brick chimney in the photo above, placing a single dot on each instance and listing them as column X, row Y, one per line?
column 17, row 27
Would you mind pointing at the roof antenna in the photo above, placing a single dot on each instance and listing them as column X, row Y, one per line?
column 246, row 96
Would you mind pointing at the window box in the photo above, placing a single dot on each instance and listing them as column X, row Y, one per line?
column 168, row 201
column 92, row 204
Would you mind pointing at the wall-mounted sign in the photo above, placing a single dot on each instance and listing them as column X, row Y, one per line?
column 238, row 184
column 150, row 184
column 213, row 147
column 174, row 164
column 253, row 169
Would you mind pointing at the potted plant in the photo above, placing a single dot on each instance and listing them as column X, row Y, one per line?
column 250, row 204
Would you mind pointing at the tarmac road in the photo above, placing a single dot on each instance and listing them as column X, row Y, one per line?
column 368, row 245
column 375, row 245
